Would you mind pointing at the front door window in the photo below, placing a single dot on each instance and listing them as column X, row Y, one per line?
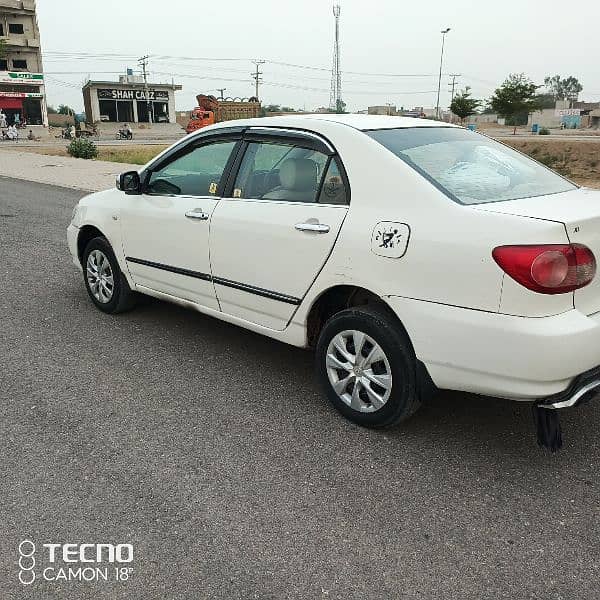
column 196, row 173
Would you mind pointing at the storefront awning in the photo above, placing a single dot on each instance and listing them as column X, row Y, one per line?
column 11, row 103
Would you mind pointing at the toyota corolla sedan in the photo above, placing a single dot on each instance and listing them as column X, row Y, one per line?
column 409, row 254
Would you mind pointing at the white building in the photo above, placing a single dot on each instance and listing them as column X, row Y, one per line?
column 130, row 101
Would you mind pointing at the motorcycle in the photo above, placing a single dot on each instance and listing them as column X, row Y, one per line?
column 124, row 134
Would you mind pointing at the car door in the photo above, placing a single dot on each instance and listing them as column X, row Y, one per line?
column 272, row 234
column 166, row 229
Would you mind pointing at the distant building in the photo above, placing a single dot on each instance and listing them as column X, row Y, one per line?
column 386, row 110
column 22, row 91
column 128, row 101
column 576, row 115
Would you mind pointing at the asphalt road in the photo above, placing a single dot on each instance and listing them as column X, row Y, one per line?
column 213, row 452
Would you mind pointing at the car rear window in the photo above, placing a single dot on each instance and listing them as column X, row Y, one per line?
column 469, row 167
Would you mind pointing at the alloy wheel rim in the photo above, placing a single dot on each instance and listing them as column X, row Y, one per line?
column 359, row 371
column 100, row 276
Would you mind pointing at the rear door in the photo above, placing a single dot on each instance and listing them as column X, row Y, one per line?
column 272, row 234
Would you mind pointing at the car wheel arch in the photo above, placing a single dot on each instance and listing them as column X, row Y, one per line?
column 86, row 234
column 341, row 297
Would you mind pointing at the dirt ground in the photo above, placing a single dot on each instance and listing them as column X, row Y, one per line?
column 577, row 160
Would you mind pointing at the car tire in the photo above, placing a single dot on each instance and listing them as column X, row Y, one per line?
column 387, row 385
column 104, row 280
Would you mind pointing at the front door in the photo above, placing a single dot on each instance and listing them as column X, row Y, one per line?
column 271, row 238
column 166, row 229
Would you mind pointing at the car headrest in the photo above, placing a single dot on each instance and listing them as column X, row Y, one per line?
column 298, row 174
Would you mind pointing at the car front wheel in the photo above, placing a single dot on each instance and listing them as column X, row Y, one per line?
column 104, row 281
column 367, row 366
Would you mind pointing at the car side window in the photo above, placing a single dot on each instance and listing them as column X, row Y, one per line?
column 196, row 173
column 333, row 190
column 280, row 171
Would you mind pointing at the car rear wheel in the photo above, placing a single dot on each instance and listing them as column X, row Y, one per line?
column 368, row 369
column 104, row 281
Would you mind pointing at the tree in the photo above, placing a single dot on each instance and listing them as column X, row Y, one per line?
column 546, row 101
column 2, row 48
column 52, row 110
column 515, row 99
column 340, row 107
column 63, row 109
column 463, row 105
column 563, row 89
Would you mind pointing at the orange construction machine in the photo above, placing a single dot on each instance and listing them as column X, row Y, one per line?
column 210, row 111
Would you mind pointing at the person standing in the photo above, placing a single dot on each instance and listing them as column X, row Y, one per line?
column 3, row 122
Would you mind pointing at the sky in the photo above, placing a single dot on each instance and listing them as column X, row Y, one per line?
column 390, row 50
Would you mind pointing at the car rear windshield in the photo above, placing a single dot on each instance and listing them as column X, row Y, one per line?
column 468, row 166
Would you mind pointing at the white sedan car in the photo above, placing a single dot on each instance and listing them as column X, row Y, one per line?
column 411, row 254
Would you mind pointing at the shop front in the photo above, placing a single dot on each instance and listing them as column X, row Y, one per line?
column 130, row 103
column 22, row 98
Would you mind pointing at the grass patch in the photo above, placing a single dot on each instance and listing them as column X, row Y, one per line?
column 135, row 155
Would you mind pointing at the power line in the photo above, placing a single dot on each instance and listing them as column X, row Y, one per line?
column 162, row 58
column 289, row 85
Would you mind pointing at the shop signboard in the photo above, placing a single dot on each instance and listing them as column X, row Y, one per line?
column 19, row 95
column 125, row 94
column 21, row 78
column 567, row 112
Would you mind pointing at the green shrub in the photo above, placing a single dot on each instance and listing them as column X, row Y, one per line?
column 82, row 148
column 544, row 131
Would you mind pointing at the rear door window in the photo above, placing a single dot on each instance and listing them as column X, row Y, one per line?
column 280, row 171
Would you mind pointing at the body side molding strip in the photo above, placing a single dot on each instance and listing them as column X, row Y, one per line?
column 251, row 289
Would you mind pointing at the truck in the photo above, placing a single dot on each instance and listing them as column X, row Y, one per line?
column 210, row 111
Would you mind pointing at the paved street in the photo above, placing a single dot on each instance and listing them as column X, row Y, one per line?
column 213, row 452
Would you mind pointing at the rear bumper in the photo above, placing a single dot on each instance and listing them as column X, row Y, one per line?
column 548, row 359
column 582, row 389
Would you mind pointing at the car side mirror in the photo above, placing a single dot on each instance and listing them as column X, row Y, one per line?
column 130, row 183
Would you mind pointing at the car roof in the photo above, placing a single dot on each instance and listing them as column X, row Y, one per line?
column 356, row 121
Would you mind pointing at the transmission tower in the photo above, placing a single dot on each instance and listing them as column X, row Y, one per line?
column 335, row 99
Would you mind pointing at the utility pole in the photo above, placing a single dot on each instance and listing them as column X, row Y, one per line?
column 221, row 92
column 437, row 108
column 143, row 62
column 257, row 75
column 453, row 84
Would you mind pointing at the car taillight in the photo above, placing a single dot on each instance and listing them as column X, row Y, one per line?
column 548, row 269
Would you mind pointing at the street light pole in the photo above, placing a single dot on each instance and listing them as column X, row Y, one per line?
column 437, row 109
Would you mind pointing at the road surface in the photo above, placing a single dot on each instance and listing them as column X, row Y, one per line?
column 214, row 453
